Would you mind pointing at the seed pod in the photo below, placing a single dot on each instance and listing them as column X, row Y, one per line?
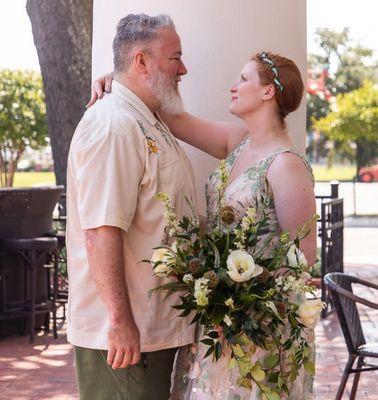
column 213, row 279
column 227, row 215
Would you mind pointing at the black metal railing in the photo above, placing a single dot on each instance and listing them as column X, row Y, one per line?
column 331, row 233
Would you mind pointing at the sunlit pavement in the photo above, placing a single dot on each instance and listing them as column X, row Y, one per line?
column 45, row 370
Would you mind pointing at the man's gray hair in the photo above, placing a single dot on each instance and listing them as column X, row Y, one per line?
column 136, row 29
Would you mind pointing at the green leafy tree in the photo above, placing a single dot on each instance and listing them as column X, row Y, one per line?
column 353, row 123
column 22, row 118
column 346, row 65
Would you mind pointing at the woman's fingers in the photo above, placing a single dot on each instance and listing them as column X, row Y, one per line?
column 108, row 83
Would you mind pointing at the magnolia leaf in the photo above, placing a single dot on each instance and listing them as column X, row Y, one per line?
column 232, row 363
column 213, row 334
column 271, row 361
column 309, row 367
column 209, row 351
column 218, row 350
column 257, row 373
column 208, row 342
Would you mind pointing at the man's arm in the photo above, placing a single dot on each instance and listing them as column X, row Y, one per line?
column 106, row 262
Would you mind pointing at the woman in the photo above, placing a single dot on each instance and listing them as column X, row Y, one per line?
column 262, row 163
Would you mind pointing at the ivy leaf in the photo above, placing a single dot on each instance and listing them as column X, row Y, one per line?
column 257, row 373
column 232, row 363
column 271, row 361
column 309, row 367
column 244, row 364
column 238, row 351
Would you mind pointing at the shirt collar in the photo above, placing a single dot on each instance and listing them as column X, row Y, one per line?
column 125, row 93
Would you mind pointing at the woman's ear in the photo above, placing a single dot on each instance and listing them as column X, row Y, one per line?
column 270, row 92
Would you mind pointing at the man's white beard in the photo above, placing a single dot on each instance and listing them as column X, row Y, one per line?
column 166, row 92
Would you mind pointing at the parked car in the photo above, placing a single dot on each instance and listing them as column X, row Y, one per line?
column 368, row 174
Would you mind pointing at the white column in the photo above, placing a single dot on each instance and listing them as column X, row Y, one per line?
column 218, row 37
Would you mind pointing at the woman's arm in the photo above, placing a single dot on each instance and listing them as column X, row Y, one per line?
column 215, row 138
column 294, row 199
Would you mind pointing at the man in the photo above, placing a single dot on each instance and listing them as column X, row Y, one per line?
column 121, row 155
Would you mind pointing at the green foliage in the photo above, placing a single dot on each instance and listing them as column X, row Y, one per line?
column 22, row 118
column 348, row 65
column 354, row 121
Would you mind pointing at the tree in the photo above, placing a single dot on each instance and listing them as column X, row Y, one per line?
column 62, row 32
column 354, row 123
column 22, row 119
column 343, row 66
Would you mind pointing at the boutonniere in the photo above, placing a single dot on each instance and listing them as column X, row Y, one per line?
column 152, row 147
column 151, row 143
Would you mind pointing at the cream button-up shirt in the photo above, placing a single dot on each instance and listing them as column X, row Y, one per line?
column 121, row 155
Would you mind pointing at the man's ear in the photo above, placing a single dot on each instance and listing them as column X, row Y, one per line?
column 139, row 60
column 269, row 92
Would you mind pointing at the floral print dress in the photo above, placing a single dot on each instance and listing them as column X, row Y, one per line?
column 214, row 381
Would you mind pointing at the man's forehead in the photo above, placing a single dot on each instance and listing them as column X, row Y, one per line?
column 169, row 41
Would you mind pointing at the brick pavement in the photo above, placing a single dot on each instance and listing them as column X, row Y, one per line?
column 44, row 370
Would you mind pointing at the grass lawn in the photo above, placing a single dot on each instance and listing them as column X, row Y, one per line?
column 25, row 179
column 339, row 172
column 321, row 172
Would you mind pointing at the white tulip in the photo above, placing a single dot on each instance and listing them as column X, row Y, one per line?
column 166, row 259
column 162, row 270
column 309, row 312
column 295, row 257
column 241, row 266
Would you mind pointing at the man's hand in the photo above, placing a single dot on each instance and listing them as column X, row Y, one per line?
column 99, row 87
column 124, row 345
column 107, row 266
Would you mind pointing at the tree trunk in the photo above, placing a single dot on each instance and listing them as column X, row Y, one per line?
column 62, row 33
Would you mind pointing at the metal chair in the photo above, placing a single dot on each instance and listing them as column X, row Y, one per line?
column 345, row 301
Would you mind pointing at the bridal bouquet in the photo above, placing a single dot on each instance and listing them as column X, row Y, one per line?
column 244, row 299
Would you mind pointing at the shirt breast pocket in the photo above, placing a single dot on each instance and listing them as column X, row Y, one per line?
column 169, row 173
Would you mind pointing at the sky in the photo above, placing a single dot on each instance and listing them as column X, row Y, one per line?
column 17, row 48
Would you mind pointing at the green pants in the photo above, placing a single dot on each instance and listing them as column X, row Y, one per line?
column 150, row 379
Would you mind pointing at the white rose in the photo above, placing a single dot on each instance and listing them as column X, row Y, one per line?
column 309, row 312
column 295, row 257
column 241, row 266
column 187, row 278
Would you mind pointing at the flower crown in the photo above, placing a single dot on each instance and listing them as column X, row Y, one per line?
column 264, row 57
